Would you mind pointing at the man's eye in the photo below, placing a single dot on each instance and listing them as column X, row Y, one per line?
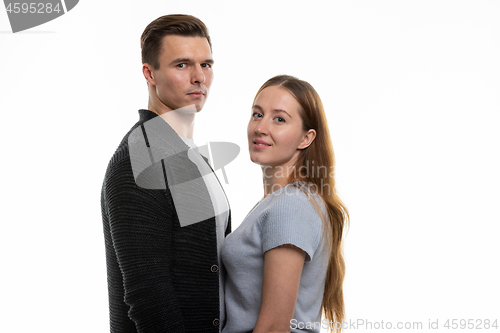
column 206, row 65
column 181, row 65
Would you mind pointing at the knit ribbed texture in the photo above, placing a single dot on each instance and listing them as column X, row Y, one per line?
column 292, row 220
column 159, row 273
column 286, row 216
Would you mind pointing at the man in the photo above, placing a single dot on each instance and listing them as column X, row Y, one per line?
column 162, row 261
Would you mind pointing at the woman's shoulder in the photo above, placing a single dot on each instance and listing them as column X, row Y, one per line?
column 291, row 217
column 294, row 201
column 298, row 194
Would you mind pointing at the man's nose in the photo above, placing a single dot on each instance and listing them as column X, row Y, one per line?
column 198, row 77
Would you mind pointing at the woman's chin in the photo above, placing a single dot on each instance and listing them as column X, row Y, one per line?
column 258, row 162
column 255, row 159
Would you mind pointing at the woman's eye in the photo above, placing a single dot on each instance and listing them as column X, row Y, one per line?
column 256, row 115
column 280, row 120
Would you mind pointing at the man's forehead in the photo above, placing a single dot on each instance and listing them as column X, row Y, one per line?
column 176, row 46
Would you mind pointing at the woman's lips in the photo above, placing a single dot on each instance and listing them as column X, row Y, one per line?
column 259, row 144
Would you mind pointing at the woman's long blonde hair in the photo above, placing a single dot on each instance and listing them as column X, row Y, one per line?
column 319, row 155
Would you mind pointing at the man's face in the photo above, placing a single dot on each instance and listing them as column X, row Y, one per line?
column 185, row 72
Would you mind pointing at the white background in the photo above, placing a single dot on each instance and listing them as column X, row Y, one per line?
column 411, row 91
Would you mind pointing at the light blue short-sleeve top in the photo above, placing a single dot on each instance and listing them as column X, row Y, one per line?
column 286, row 216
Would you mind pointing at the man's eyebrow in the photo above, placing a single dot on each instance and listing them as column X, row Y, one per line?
column 180, row 60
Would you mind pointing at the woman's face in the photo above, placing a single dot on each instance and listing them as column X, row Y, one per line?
column 275, row 133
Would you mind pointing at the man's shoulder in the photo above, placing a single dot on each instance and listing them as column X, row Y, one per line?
column 119, row 175
column 122, row 151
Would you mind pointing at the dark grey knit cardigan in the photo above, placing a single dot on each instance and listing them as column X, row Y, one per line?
column 161, row 277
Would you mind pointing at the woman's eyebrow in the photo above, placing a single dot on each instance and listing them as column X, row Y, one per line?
column 280, row 110
column 258, row 107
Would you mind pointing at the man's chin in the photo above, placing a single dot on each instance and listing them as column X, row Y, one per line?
column 186, row 110
column 200, row 103
column 194, row 107
column 197, row 102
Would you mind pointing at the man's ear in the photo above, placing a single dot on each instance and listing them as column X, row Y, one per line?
column 147, row 70
column 308, row 139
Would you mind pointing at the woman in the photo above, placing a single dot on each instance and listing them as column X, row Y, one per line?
column 284, row 262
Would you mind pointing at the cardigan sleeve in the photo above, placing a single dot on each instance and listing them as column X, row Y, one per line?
column 140, row 222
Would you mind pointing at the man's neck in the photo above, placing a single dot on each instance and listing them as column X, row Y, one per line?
column 181, row 120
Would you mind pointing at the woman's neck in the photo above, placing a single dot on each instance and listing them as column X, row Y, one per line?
column 274, row 178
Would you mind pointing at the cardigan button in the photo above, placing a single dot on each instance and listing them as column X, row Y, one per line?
column 214, row 268
column 216, row 322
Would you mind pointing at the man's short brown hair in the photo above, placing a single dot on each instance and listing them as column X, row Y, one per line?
column 174, row 24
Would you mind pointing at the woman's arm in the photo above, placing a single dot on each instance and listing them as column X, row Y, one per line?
column 280, row 287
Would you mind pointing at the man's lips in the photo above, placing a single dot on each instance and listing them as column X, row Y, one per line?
column 196, row 93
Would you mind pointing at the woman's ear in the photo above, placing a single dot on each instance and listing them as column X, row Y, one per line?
column 307, row 139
